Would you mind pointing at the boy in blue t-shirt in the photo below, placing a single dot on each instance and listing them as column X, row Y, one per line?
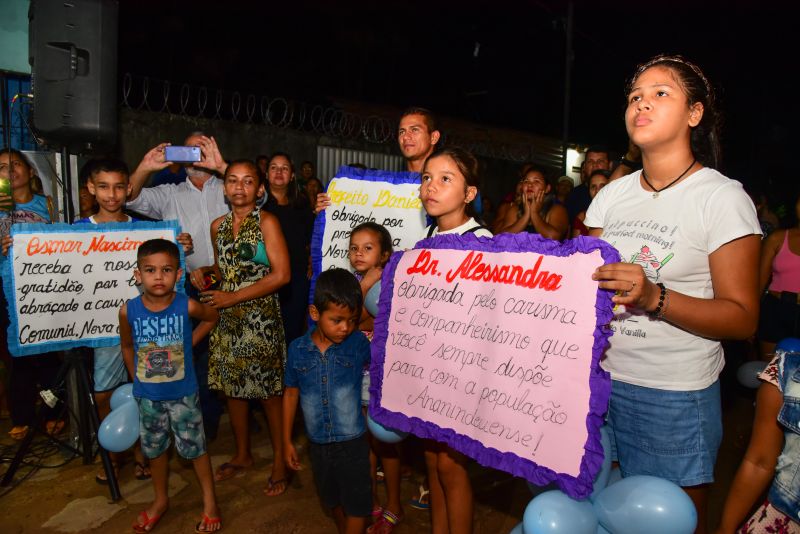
column 157, row 338
column 323, row 371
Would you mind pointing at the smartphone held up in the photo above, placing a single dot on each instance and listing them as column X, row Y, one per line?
column 182, row 154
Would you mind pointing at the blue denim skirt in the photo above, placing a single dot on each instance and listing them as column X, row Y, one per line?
column 669, row 434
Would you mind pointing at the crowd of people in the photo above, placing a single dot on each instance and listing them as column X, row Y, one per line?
column 694, row 276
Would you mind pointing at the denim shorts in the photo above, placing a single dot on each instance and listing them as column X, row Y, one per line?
column 182, row 418
column 341, row 474
column 668, row 434
column 109, row 368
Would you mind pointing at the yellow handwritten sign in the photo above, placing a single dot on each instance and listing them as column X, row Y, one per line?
column 386, row 198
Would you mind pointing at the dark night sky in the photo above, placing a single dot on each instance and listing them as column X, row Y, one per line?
column 403, row 53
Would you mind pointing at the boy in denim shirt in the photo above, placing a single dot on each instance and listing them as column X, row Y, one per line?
column 323, row 372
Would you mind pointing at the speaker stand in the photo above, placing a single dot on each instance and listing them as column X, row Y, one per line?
column 88, row 423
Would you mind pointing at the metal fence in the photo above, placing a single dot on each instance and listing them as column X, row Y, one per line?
column 14, row 122
column 141, row 92
column 330, row 158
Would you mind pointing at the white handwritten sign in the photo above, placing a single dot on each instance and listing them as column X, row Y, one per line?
column 65, row 283
column 388, row 198
column 493, row 346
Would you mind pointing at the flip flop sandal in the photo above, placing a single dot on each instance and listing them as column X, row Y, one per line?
column 148, row 524
column 227, row 471
column 101, row 477
column 139, row 471
column 54, row 428
column 422, row 502
column 18, row 433
column 274, row 484
column 206, row 522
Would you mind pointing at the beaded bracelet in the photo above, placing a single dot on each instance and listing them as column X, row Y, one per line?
column 666, row 305
column 658, row 313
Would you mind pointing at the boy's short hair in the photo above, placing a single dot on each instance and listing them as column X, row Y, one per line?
column 337, row 286
column 157, row 246
column 93, row 167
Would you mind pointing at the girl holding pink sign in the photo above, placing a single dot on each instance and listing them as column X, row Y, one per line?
column 449, row 185
column 691, row 240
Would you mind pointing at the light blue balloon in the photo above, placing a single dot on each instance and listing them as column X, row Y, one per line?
column 517, row 530
column 372, row 297
column 121, row 395
column 386, row 435
column 615, row 476
column 601, row 480
column 553, row 512
column 748, row 373
column 648, row 504
column 120, row 429
column 789, row 344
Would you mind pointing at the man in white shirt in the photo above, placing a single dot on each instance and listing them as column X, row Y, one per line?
column 195, row 203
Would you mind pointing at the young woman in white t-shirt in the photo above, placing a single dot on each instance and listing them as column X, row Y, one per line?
column 449, row 185
column 689, row 241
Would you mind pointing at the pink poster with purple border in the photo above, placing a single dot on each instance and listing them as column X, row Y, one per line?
column 492, row 346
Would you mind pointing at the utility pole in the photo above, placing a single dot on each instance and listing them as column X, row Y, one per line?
column 568, row 60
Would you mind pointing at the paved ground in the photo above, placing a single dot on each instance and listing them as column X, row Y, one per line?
column 67, row 499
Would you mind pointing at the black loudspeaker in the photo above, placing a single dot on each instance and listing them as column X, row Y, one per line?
column 73, row 57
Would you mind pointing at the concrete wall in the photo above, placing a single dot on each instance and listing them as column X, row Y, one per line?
column 139, row 131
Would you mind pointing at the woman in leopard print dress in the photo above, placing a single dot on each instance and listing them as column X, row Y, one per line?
column 247, row 347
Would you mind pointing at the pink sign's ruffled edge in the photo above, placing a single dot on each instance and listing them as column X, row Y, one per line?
column 579, row 487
